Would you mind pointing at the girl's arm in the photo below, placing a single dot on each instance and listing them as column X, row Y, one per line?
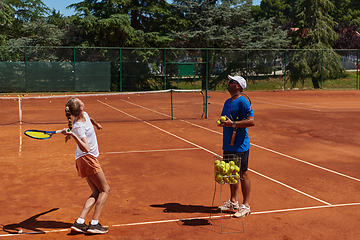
column 82, row 143
column 97, row 125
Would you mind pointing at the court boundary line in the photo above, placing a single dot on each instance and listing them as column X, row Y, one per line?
column 162, row 130
column 282, row 154
column 107, row 153
column 197, row 218
column 327, row 109
column 155, row 150
column 167, row 132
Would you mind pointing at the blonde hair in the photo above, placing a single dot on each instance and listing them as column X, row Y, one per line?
column 72, row 108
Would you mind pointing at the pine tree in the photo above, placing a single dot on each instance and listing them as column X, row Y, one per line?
column 315, row 59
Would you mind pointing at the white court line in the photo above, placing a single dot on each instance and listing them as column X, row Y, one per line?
column 105, row 153
column 147, row 151
column 207, row 217
column 169, row 116
column 166, row 115
column 158, row 128
column 207, row 150
column 296, row 190
column 330, row 109
column 284, row 155
column 311, row 164
column 308, row 104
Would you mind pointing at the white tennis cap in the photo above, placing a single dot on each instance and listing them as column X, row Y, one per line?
column 239, row 79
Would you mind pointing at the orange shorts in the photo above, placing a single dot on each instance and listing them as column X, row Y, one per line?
column 87, row 165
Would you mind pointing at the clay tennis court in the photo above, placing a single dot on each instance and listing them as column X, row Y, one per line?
column 304, row 167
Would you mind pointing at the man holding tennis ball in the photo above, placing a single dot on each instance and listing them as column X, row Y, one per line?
column 237, row 115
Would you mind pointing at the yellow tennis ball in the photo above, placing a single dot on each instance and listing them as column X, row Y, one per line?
column 218, row 122
column 223, row 118
column 50, row 101
column 105, row 98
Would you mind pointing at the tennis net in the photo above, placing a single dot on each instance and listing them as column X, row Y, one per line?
column 106, row 107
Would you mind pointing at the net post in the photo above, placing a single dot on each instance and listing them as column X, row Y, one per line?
column 20, row 112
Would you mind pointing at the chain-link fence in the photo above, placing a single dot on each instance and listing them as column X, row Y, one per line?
column 35, row 69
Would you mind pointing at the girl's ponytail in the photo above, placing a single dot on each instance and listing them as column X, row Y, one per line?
column 72, row 108
column 68, row 115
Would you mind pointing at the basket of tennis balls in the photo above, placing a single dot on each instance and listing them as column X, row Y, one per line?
column 227, row 169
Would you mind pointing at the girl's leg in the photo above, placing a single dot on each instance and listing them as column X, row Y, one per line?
column 99, row 181
column 90, row 202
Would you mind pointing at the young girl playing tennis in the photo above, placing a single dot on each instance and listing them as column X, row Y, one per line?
column 87, row 165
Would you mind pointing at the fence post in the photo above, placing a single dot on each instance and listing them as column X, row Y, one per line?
column 357, row 70
column 322, row 64
column 164, row 68
column 207, row 68
column 26, row 75
column 285, row 70
column 172, row 109
column 74, row 51
column 247, row 63
column 120, row 71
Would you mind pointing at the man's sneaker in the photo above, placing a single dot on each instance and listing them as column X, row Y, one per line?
column 229, row 205
column 97, row 229
column 243, row 211
column 79, row 227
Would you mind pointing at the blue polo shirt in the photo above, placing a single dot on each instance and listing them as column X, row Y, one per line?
column 239, row 108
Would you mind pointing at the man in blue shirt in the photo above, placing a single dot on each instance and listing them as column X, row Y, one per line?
column 239, row 116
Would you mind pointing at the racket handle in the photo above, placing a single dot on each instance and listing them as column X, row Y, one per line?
column 233, row 137
column 58, row 131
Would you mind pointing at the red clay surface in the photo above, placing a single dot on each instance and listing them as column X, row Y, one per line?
column 304, row 168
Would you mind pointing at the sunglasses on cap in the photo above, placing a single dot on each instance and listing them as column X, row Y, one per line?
column 232, row 81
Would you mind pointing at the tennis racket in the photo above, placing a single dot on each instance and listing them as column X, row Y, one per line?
column 40, row 134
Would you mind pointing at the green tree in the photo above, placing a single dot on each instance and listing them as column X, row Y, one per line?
column 315, row 34
column 213, row 24
column 38, row 33
column 346, row 12
column 130, row 23
column 16, row 13
column 6, row 19
column 28, row 10
column 281, row 10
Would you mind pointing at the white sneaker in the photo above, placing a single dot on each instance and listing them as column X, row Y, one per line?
column 243, row 211
column 229, row 205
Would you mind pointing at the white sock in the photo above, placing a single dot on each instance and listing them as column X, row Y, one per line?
column 80, row 220
column 94, row 222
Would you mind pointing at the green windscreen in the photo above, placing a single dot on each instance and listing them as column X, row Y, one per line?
column 54, row 76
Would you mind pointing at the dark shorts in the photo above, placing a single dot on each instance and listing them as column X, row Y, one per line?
column 244, row 159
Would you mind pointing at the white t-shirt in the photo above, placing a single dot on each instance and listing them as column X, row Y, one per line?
column 86, row 129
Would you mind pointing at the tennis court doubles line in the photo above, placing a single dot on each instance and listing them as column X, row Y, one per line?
column 195, row 218
column 167, row 132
